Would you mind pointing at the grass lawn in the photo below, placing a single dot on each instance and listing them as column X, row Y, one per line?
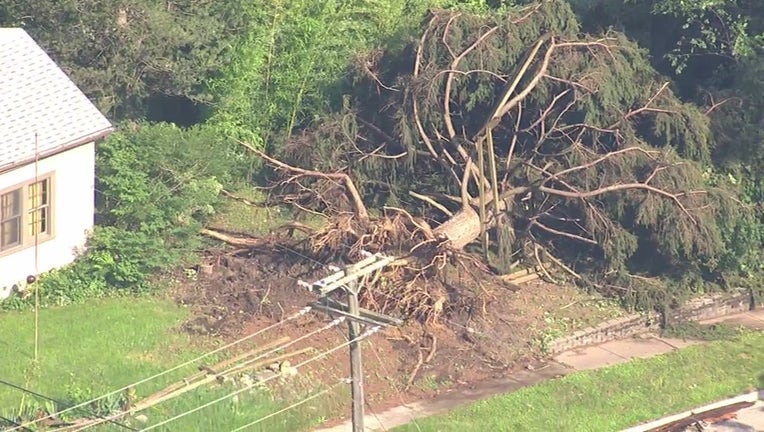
column 92, row 348
column 620, row 396
column 256, row 220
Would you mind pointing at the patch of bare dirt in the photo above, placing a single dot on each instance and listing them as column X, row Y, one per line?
column 245, row 293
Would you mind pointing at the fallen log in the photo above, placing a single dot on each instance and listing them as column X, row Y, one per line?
column 210, row 377
column 177, row 389
column 232, row 240
column 708, row 416
column 220, row 366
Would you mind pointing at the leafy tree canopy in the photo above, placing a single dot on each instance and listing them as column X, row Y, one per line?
column 121, row 53
column 696, row 41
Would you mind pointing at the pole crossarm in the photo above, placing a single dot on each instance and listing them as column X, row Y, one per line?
column 365, row 316
column 349, row 274
column 350, row 279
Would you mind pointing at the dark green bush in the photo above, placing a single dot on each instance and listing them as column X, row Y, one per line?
column 156, row 185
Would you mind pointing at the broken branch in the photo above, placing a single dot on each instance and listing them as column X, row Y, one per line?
column 355, row 196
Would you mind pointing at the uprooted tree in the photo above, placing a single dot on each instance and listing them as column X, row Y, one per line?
column 517, row 133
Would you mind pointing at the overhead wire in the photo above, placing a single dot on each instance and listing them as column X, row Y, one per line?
column 48, row 398
column 294, row 405
column 379, row 359
column 362, row 336
column 333, row 323
column 397, row 390
column 298, row 314
column 179, row 366
column 366, row 400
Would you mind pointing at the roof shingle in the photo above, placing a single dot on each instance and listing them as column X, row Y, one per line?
column 38, row 98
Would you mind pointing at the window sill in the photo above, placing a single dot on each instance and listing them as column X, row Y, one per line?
column 22, row 247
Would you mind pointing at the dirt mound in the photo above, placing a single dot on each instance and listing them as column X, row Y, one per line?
column 257, row 285
column 505, row 331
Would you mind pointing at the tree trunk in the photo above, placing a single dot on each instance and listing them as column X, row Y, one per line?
column 462, row 229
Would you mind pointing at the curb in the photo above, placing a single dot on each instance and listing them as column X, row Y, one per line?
column 698, row 309
column 748, row 397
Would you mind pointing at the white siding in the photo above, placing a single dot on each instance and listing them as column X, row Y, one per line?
column 73, row 212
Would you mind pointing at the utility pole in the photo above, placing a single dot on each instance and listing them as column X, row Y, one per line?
column 347, row 279
column 356, row 365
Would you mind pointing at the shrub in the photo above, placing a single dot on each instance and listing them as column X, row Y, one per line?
column 156, row 185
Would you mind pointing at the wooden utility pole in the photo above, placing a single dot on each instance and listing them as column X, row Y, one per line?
column 348, row 280
column 356, row 364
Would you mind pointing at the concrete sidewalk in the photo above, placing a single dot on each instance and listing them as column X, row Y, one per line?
column 580, row 359
column 645, row 346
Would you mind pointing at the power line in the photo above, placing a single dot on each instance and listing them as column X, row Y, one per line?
column 379, row 359
column 239, row 365
column 42, row 396
column 294, row 405
column 6, row 419
column 395, row 387
column 300, row 313
column 368, row 403
column 364, row 335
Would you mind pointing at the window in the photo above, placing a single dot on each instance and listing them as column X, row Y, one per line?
column 25, row 214
column 39, row 208
column 10, row 234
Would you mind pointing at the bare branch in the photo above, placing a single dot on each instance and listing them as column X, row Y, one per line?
column 466, row 198
column 415, row 104
column 715, row 105
column 234, row 197
column 645, row 107
column 561, row 264
column 445, row 33
column 620, row 187
column 432, row 202
column 450, row 78
column 546, row 112
column 533, row 10
column 355, row 196
column 501, row 107
column 535, row 222
column 233, row 240
column 502, row 78
column 650, row 154
column 541, row 264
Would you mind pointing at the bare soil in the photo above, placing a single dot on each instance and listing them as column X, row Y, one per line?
column 250, row 291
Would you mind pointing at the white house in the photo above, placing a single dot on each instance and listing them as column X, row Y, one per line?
column 47, row 161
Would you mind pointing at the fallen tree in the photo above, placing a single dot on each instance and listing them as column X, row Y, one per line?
column 514, row 132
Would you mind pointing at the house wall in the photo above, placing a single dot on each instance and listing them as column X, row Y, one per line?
column 73, row 203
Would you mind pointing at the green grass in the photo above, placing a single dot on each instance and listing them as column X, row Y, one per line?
column 256, row 220
column 92, row 348
column 620, row 396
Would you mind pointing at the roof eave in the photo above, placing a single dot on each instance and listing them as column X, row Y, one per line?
column 58, row 150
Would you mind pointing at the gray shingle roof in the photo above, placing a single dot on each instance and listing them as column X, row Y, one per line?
column 38, row 97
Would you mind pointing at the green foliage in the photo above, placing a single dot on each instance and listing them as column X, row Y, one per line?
column 121, row 53
column 711, row 48
column 694, row 41
column 716, row 27
column 629, row 127
column 705, row 332
column 156, row 186
column 74, row 283
column 288, row 65
column 616, row 397
column 103, row 407
column 739, row 131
